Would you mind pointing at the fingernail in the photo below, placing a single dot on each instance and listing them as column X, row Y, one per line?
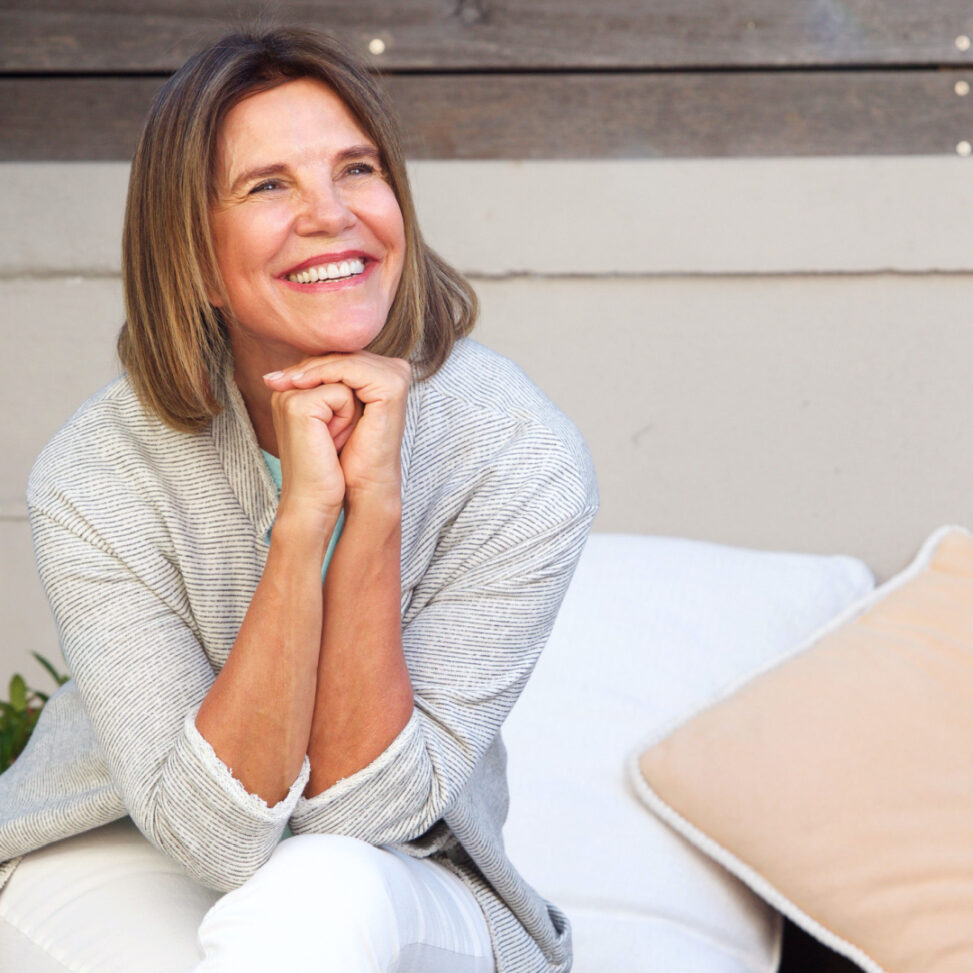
column 274, row 375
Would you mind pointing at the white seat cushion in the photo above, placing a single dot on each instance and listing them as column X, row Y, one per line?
column 652, row 630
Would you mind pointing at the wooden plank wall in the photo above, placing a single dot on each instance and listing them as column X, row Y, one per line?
column 534, row 79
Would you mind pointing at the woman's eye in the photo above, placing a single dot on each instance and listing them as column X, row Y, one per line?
column 360, row 169
column 265, row 186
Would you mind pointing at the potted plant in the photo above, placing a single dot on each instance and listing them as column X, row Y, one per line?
column 19, row 713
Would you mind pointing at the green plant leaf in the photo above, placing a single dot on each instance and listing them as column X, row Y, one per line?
column 19, row 715
column 18, row 693
column 58, row 677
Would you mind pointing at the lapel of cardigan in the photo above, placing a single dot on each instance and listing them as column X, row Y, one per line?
column 409, row 434
column 248, row 476
column 236, row 445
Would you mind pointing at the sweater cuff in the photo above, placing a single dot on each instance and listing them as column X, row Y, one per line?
column 254, row 804
column 208, row 821
column 381, row 803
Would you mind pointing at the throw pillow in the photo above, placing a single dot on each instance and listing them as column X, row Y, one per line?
column 839, row 784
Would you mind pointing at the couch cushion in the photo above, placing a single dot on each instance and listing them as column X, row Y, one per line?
column 651, row 631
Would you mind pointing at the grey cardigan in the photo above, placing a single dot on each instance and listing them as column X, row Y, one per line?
column 150, row 543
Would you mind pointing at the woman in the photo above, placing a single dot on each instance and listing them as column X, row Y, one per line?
column 288, row 328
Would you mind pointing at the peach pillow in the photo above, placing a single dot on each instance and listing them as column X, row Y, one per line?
column 839, row 784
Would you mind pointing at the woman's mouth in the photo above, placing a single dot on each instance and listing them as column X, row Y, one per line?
column 339, row 270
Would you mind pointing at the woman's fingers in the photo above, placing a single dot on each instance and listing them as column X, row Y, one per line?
column 303, row 421
column 336, row 405
column 371, row 376
column 371, row 441
column 343, row 423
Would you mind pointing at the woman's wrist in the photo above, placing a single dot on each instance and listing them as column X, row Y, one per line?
column 304, row 529
column 374, row 506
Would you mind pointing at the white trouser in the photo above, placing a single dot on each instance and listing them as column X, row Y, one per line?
column 326, row 903
column 108, row 902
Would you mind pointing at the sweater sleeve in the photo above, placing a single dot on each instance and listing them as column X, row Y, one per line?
column 499, row 574
column 142, row 674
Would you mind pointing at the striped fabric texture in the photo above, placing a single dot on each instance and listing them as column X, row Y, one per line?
column 150, row 543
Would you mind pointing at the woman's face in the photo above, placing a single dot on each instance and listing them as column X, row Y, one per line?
column 308, row 234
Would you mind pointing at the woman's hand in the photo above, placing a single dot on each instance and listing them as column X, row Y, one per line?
column 370, row 444
column 312, row 426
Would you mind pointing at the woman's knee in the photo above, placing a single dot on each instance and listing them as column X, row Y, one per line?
column 320, row 899
column 342, row 872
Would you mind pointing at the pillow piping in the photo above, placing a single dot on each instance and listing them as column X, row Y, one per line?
column 751, row 878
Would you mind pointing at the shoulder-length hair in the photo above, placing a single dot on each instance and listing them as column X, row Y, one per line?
column 174, row 341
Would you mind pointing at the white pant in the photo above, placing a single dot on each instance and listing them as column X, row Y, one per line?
column 326, row 903
column 108, row 902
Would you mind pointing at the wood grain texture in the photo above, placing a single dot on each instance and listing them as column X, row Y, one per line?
column 158, row 35
column 564, row 116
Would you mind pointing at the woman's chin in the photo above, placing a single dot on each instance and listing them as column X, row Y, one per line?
column 259, row 357
column 351, row 340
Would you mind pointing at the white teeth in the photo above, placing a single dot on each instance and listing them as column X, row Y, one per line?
column 333, row 271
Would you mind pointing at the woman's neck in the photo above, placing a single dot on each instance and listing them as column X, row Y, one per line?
column 249, row 369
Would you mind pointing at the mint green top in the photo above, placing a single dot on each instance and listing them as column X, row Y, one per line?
column 273, row 464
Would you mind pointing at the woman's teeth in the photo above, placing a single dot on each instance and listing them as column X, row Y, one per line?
column 336, row 271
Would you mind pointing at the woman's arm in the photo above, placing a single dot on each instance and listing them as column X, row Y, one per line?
column 257, row 715
column 110, row 540
column 132, row 641
column 363, row 692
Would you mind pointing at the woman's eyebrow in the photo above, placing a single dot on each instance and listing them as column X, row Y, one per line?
column 359, row 151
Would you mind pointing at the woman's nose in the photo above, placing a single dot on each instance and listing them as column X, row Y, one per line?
column 324, row 210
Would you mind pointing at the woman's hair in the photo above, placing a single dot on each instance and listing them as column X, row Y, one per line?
column 174, row 341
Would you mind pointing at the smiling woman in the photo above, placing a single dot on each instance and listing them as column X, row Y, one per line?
column 295, row 175
column 302, row 556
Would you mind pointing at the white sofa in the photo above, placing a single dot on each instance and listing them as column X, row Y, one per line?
column 651, row 630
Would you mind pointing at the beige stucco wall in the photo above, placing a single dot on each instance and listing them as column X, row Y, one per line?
column 773, row 353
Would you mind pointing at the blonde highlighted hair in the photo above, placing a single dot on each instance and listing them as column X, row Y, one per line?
column 174, row 341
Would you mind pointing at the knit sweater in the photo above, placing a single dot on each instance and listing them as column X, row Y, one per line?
column 150, row 543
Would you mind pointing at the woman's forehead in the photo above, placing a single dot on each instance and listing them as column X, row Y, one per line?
column 297, row 123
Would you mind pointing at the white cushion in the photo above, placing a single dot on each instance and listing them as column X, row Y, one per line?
column 652, row 630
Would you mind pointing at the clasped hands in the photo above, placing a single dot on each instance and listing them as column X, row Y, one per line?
column 339, row 420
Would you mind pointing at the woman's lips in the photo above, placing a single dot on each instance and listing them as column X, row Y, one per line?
column 330, row 285
column 323, row 259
